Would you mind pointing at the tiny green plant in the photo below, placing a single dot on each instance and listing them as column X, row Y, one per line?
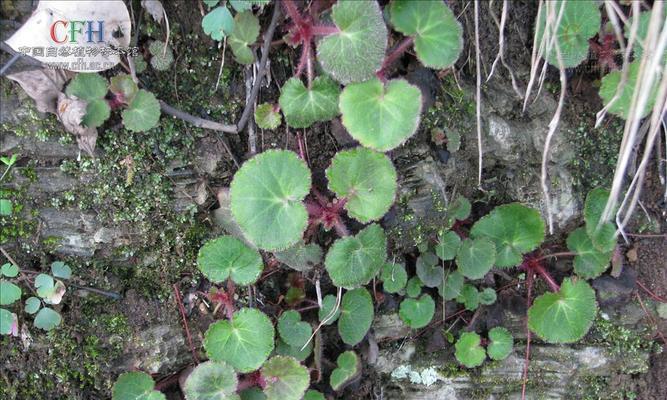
column 470, row 347
column 6, row 205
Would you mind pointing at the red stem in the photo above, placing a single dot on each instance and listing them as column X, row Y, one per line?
column 293, row 11
column 394, row 55
column 562, row 254
column 340, row 228
column 650, row 293
column 544, row 274
column 177, row 295
column 324, row 30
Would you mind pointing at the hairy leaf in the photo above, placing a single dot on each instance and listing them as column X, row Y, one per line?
column 134, row 386
column 353, row 261
column 328, row 305
column 394, row 277
column 469, row 297
column 143, row 112
column 211, row 380
column 487, row 296
column 226, row 257
column 417, row 313
column 429, row 270
column 285, row 378
column 604, row 236
column 448, row 245
column 123, row 85
column 245, row 342
column 437, row 34
column 414, row 287
column 87, row 86
column 469, row 351
column 348, row 368
column 301, row 257
column 313, row 395
column 162, row 57
column 303, row 107
column 366, row 179
column 47, row 319
column 381, row 116
column 452, row 286
column 267, row 116
column 32, row 305
column 589, row 262
column 514, row 228
column 61, row 270
column 292, row 330
column 501, row 342
column 284, row 349
column 266, row 199
column 580, row 21
column 8, row 322
column 621, row 106
column 564, row 316
column 356, row 316
column 218, row 23
column 357, row 51
column 9, row 292
column 9, row 270
column 475, row 257
column 246, row 30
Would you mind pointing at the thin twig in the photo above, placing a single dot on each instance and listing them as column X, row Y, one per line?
column 650, row 293
column 268, row 37
column 181, row 309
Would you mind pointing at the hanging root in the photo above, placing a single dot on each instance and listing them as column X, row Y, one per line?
column 478, row 96
column 501, row 45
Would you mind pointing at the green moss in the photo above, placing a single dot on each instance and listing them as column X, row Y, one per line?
column 624, row 344
column 35, row 125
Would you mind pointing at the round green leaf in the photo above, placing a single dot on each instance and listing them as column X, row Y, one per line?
column 87, row 86
column 47, row 319
column 429, row 270
column 228, row 256
column 211, row 380
column 448, row 245
column 97, row 111
column 469, row 352
column 621, row 106
column 366, row 179
column 353, row 261
column 301, row 256
column 313, row 395
column 32, row 305
column 61, row 270
column 143, row 113
column 45, row 285
column 267, row 116
column 8, row 322
column 292, row 330
column 452, row 286
column 476, row 257
column 303, row 107
column 246, row 30
column 266, row 199
column 459, row 209
column 437, row 34
column 414, row 287
column 218, row 23
column 469, row 297
column 245, row 342
column 285, row 378
column 589, row 262
column 514, row 228
column 580, row 21
column 394, row 277
column 134, row 386
column 9, row 292
column 501, row 342
column 328, row 305
column 349, row 367
column 253, row 393
column 564, row 316
column 9, row 270
column 603, row 236
column 356, row 316
column 357, row 51
column 381, row 116
column 284, row 349
column 417, row 313
column 487, row 296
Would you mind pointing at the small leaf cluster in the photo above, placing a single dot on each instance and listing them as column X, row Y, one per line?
column 141, row 110
column 470, row 352
column 49, row 290
column 6, row 205
column 240, row 30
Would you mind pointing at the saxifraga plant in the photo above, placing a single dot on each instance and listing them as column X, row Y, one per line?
column 276, row 209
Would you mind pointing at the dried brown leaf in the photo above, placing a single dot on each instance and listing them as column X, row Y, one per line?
column 43, row 86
